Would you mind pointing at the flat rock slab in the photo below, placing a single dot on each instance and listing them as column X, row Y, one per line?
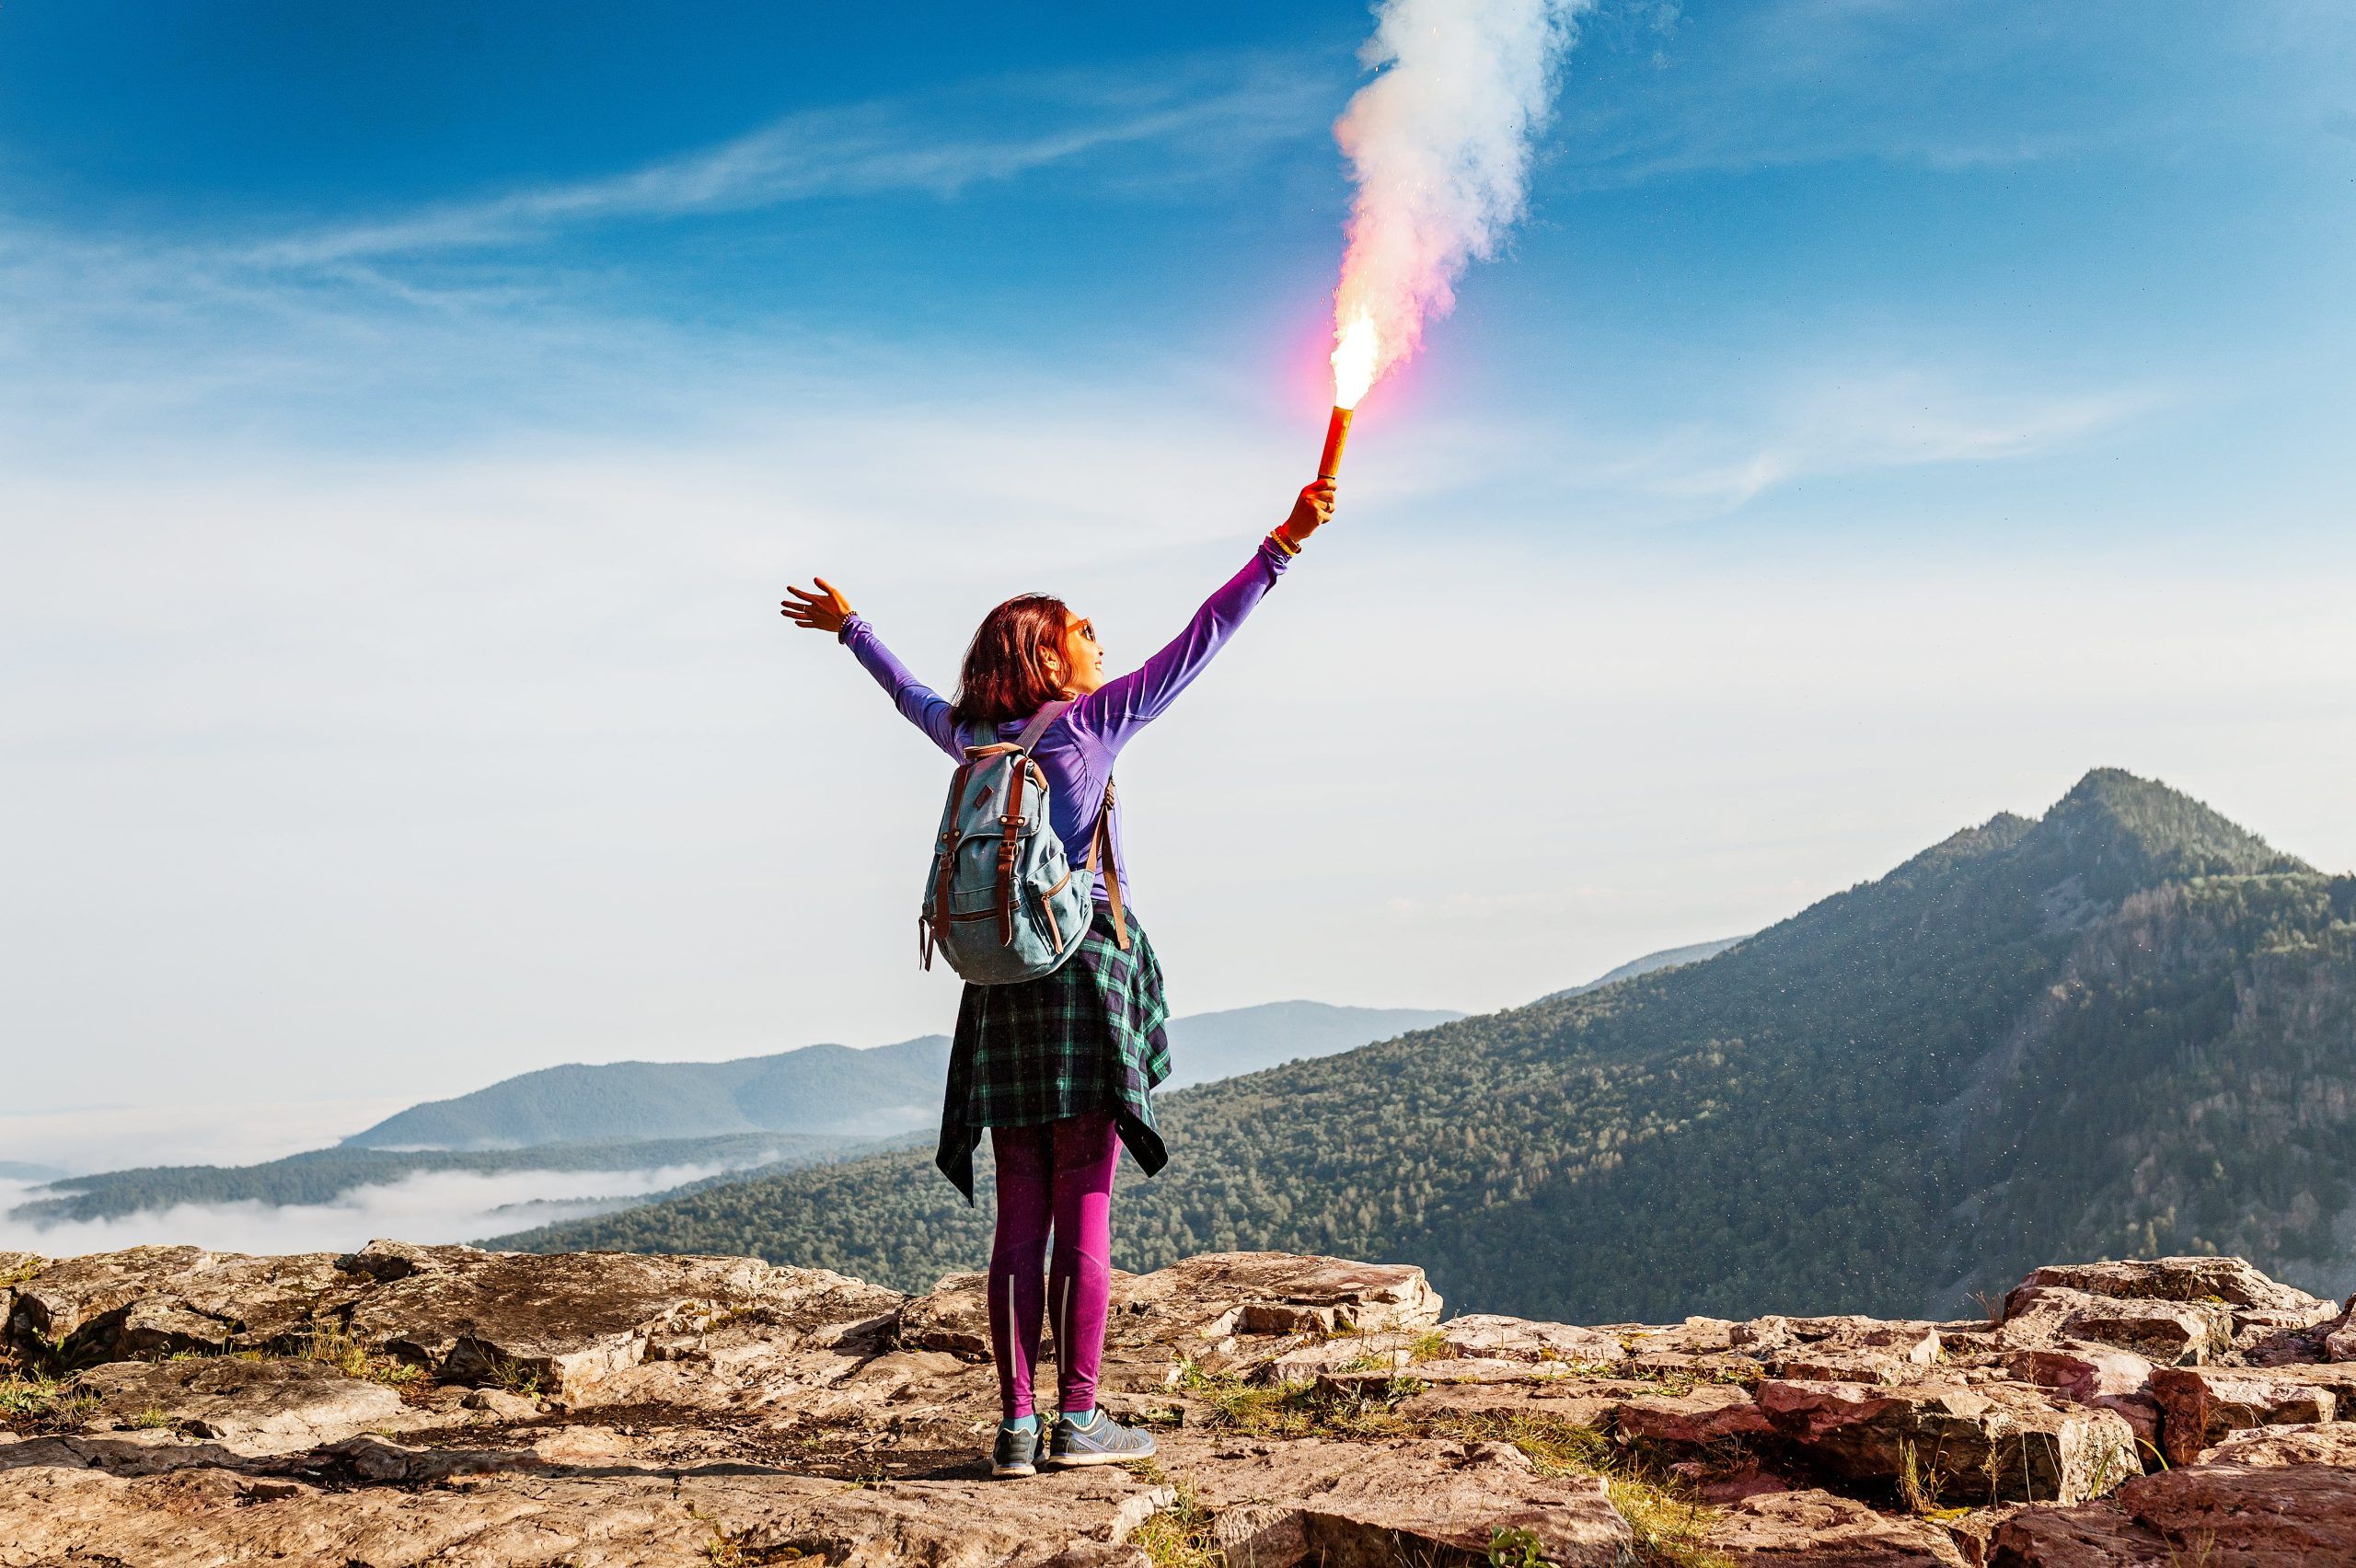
column 2097, row 1536
column 1820, row 1529
column 558, row 1321
column 162, row 1301
column 1420, row 1500
column 254, row 1407
column 1482, row 1336
column 1704, row 1415
column 593, row 1516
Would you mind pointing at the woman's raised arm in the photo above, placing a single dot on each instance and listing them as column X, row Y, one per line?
column 828, row 610
column 1120, row 707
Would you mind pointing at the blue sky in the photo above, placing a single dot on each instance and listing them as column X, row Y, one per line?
column 409, row 412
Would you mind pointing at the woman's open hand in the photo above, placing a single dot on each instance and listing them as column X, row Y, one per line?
column 1312, row 510
column 824, row 611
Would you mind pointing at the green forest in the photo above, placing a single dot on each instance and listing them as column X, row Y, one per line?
column 2127, row 1027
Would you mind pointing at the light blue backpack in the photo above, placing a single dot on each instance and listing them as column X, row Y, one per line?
column 1002, row 901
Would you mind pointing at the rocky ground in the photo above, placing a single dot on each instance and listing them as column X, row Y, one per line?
column 411, row 1404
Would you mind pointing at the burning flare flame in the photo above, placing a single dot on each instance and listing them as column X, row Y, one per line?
column 1357, row 356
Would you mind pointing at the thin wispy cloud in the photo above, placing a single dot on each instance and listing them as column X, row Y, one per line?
column 1887, row 420
column 1662, row 92
column 922, row 146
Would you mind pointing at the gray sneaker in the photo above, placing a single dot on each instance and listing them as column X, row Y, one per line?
column 1103, row 1441
column 1016, row 1452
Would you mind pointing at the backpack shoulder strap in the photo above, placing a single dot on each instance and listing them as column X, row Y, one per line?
column 1038, row 725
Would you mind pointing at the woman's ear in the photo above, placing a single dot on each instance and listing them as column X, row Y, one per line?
column 1055, row 664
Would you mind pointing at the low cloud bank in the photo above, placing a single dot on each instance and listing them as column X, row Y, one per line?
column 444, row 1205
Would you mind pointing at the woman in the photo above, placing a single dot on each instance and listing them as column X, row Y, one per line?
column 1060, row 1068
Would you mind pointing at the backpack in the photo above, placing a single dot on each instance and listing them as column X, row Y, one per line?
column 1002, row 899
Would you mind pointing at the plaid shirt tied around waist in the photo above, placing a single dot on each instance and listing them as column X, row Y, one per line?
column 1087, row 1037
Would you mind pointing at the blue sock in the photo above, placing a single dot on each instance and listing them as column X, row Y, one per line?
column 1020, row 1424
column 1084, row 1416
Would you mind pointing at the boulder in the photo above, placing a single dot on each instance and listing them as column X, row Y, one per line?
column 2233, row 1281
column 164, row 1300
column 2270, row 1497
column 249, row 1406
column 550, row 1323
column 2117, row 1380
column 2202, row 1404
column 2257, row 1516
column 953, row 1318
column 2166, row 1333
column 1995, row 1443
column 1817, row 1530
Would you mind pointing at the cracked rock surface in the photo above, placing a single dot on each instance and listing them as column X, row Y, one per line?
column 405, row 1404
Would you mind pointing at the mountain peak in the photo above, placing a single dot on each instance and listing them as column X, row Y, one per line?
column 2141, row 832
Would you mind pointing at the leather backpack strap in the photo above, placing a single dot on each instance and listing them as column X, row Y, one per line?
column 945, row 871
column 1101, row 841
column 1011, row 825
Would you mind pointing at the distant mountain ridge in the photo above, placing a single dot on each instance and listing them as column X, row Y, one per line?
column 1667, row 958
column 829, row 1091
column 2127, row 1027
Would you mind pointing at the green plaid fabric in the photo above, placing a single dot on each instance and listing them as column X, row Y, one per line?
column 1087, row 1037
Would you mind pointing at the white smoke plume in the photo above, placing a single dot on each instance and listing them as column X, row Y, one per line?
column 1438, row 144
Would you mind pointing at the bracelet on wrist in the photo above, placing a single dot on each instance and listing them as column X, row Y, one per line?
column 1276, row 537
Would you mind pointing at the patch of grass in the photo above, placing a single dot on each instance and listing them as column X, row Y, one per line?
column 1284, row 1409
column 1671, row 1530
column 148, row 1420
column 1180, row 1534
column 34, row 1402
column 1430, row 1345
column 516, row 1380
column 1921, row 1482
column 21, row 1271
column 330, row 1345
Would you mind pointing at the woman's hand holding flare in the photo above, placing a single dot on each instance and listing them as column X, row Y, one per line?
column 824, row 611
column 1312, row 510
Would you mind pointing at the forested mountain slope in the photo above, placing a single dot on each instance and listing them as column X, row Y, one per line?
column 2127, row 1027
column 827, row 1090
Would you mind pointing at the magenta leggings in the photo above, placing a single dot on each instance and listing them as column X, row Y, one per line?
column 1058, row 1175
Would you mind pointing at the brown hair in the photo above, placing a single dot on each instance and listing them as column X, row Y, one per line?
column 1006, row 667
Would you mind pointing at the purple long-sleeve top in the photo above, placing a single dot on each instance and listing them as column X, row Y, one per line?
column 1078, row 752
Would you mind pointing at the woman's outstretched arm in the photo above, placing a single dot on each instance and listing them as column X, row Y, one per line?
column 1120, row 707
column 828, row 610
